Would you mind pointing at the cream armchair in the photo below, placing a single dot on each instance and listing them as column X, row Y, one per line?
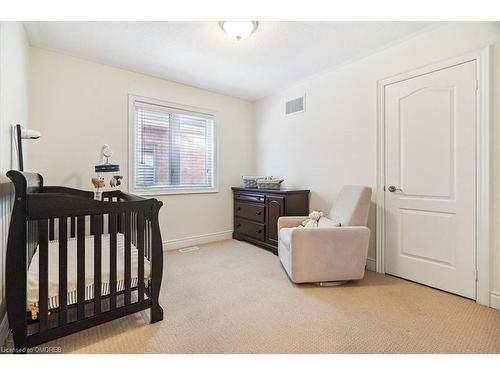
column 336, row 253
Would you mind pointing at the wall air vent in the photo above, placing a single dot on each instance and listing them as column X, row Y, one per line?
column 295, row 105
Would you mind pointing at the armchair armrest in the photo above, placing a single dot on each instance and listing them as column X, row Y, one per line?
column 290, row 221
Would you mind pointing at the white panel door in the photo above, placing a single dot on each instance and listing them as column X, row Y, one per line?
column 430, row 179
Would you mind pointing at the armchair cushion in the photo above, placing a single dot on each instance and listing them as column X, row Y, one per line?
column 325, row 222
column 286, row 236
column 285, row 233
column 290, row 221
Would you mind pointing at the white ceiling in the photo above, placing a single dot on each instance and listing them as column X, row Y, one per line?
column 201, row 55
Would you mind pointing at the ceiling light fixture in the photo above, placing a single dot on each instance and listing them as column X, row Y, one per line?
column 238, row 29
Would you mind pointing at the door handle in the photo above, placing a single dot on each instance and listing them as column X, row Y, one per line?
column 393, row 189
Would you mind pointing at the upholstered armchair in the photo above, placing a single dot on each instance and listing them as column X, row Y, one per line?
column 336, row 252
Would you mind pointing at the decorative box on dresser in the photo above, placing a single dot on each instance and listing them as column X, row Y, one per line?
column 256, row 213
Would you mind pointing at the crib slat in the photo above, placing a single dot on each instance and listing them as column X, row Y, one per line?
column 140, row 263
column 146, row 238
column 127, row 258
column 97, row 220
column 113, row 227
column 63, row 272
column 120, row 222
column 150, row 255
column 133, row 228
column 72, row 227
column 51, row 229
column 150, row 240
column 80, row 279
column 136, row 227
column 146, row 248
column 43, row 281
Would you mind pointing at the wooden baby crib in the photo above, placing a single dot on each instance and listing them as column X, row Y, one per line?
column 52, row 287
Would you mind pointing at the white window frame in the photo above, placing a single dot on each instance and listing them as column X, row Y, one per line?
column 131, row 149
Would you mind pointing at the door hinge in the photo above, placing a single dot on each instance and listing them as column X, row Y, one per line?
column 477, row 275
column 477, row 84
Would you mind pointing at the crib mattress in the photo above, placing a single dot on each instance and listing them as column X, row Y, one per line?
column 53, row 287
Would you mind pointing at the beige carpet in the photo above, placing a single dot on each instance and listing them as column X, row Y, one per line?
column 232, row 297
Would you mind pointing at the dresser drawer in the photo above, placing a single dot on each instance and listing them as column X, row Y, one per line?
column 257, row 198
column 249, row 228
column 252, row 211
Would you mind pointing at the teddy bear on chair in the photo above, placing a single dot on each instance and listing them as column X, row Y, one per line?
column 312, row 222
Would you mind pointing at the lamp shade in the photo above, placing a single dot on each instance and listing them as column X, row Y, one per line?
column 238, row 29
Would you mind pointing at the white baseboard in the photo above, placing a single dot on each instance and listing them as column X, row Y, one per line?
column 4, row 330
column 196, row 240
column 495, row 299
column 371, row 264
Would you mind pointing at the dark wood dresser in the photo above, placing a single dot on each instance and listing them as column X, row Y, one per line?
column 256, row 213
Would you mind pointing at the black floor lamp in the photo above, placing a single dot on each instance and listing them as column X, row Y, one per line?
column 22, row 133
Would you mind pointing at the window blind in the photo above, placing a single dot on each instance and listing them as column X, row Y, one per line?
column 173, row 148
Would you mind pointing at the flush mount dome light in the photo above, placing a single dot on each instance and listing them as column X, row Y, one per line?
column 238, row 29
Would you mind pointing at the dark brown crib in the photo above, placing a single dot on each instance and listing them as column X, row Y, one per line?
column 45, row 213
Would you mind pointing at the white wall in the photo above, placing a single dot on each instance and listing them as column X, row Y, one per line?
column 334, row 142
column 14, row 86
column 13, row 110
column 80, row 105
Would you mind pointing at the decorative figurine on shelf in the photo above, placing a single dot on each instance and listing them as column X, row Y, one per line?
column 106, row 167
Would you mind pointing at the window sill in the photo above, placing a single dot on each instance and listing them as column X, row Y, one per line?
column 173, row 192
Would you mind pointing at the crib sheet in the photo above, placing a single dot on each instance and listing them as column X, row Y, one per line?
column 53, row 261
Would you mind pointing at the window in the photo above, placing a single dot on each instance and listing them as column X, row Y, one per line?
column 172, row 148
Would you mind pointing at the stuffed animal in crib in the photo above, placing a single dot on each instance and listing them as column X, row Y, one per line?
column 115, row 181
column 312, row 222
column 98, row 182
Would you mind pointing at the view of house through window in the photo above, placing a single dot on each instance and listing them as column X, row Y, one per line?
column 173, row 148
